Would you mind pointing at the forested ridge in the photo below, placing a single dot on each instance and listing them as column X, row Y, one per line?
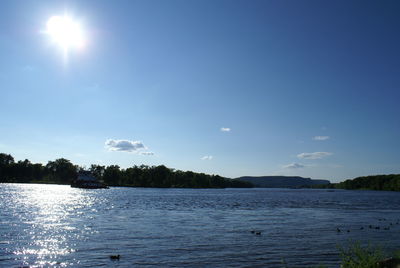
column 376, row 182
column 62, row 171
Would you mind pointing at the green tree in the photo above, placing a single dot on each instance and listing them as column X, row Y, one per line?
column 113, row 176
column 6, row 161
column 97, row 171
column 61, row 171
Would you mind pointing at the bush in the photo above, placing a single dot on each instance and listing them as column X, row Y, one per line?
column 356, row 256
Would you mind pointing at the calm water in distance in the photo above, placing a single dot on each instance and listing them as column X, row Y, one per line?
column 59, row 226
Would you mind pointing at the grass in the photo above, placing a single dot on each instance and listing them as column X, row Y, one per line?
column 357, row 256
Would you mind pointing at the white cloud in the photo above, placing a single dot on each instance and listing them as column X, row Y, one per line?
column 294, row 166
column 207, row 157
column 124, row 145
column 321, row 138
column 146, row 153
column 225, row 129
column 315, row 155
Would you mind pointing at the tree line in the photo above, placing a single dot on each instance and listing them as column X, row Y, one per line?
column 377, row 182
column 62, row 171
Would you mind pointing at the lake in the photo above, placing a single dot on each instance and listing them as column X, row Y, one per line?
column 59, row 226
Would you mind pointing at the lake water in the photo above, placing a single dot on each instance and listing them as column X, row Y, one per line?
column 60, row 226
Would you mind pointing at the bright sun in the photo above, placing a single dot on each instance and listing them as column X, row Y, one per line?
column 65, row 32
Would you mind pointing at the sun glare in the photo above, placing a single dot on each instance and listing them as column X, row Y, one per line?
column 65, row 32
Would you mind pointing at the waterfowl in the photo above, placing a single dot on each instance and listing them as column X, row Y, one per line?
column 258, row 233
column 115, row 257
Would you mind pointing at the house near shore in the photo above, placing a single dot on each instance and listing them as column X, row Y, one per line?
column 88, row 181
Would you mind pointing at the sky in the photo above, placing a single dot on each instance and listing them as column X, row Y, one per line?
column 235, row 88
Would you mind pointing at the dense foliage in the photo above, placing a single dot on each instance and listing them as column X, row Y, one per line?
column 376, row 182
column 357, row 256
column 62, row 171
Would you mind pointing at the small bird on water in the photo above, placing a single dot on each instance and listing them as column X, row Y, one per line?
column 115, row 257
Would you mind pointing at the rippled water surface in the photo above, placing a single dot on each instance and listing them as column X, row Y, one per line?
column 60, row 226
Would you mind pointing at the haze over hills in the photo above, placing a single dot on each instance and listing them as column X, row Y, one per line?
column 281, row 181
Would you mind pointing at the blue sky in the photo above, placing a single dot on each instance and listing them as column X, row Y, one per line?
column 234, row 88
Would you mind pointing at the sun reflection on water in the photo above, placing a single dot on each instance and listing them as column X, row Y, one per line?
column 47, row 215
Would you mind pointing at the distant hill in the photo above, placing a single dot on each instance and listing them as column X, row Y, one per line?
column 282, row 181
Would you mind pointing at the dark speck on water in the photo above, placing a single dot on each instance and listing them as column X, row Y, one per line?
column 115, row 257
column 60, row 226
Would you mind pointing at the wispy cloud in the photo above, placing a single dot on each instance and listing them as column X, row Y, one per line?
column 294, row 166
column 225, row 129
column 146, row 153
column 315, row 155
column 207, row 157
column 124, row 145
column 321, row 138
